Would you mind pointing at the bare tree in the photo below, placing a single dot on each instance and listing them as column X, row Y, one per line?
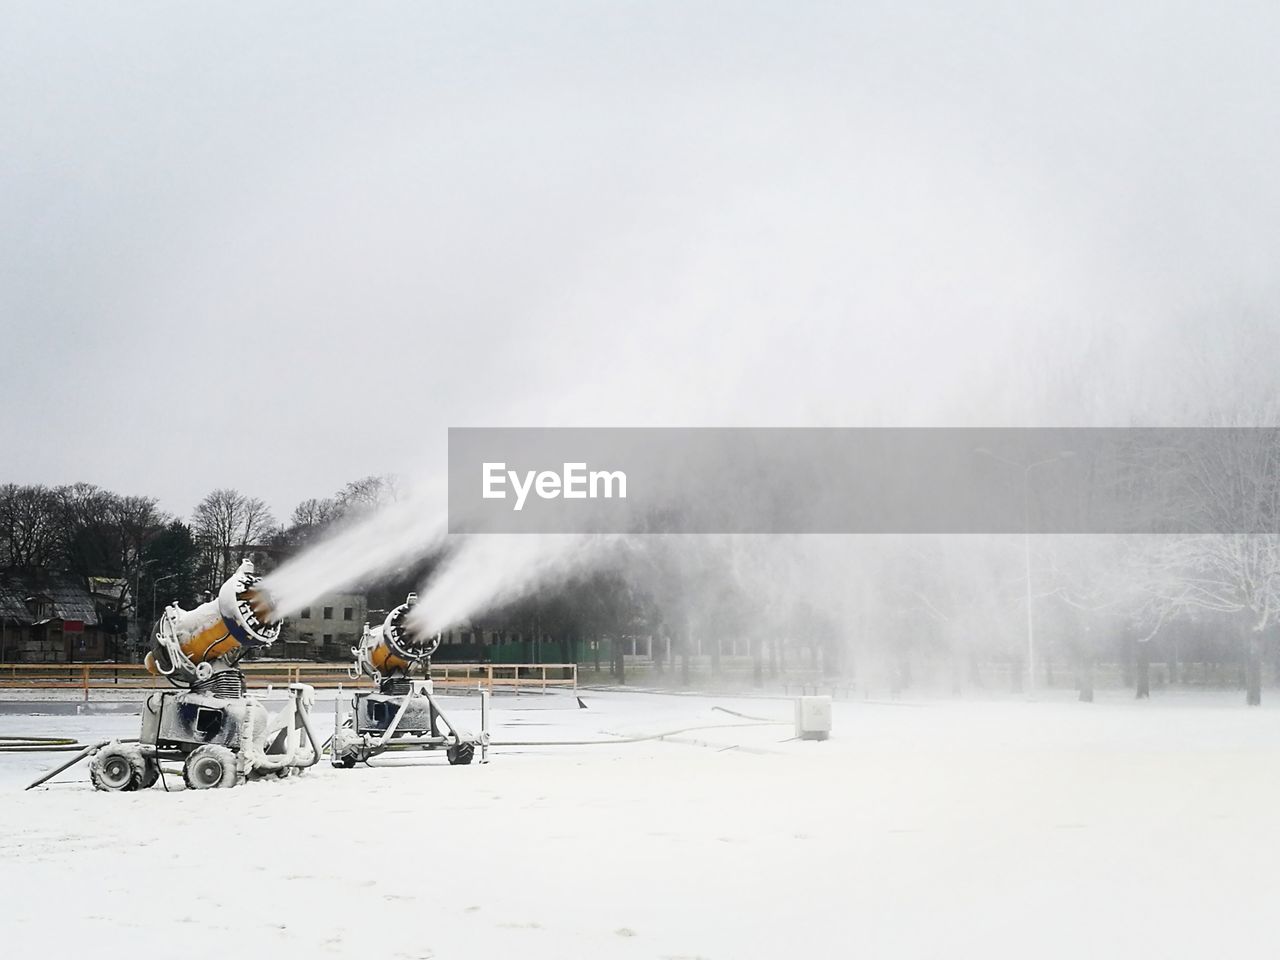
column 28, row 525
column 86, row 535
column 226, row 520
column 314, row 512
column 136, row 522
column 1226, row 481
column 367, row 494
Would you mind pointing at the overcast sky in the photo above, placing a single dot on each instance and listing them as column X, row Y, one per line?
column 281, row 246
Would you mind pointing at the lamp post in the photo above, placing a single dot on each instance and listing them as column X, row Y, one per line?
column 154, row 584
column 1026, row 547
column 137, row 600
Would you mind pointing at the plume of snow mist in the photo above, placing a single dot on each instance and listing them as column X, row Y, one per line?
column 406, row 529
column 490, row 570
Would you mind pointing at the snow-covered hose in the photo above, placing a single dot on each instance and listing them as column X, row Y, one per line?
column 39, row 744
column 304, row 752
column 249, row 739
column 635, row 739
column 255, row 757
column 746, row 716
column 298, row 749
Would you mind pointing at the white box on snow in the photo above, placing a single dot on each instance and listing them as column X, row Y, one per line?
column 813, row 718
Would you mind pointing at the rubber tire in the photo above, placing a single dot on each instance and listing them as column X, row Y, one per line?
column 117, row 767
column 344, row 751
column 460, row 754
column 210, row 767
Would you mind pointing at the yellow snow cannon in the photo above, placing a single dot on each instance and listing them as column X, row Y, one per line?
column 187, row 642
column 401, row 711
column 393, row 649
column 219, row 733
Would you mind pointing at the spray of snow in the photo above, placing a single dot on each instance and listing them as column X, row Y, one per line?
column 400, row 531
column 492, row 569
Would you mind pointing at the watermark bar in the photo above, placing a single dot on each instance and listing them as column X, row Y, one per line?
column 864, row 480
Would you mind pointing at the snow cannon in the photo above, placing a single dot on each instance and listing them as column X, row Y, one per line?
column 401, row 711
column 187, row 643
column 393, row 649
column 220, row 734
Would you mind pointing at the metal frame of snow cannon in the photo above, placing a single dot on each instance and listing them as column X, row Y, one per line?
column 401, row 712
column 221, row 735
column 222, row 742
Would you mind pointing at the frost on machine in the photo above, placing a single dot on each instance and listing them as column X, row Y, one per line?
column 401, row 712
column 219, row 733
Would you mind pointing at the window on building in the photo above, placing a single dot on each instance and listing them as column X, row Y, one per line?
column 328, row 613
column 304, row 613
column 328, row 638
column 348, row 613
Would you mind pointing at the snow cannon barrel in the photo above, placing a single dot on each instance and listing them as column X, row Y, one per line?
column 241, row 616
column 394, row 646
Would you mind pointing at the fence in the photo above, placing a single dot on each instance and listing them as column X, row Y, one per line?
column 134, row 676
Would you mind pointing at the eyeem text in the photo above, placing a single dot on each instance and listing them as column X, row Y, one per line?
column 574, row 482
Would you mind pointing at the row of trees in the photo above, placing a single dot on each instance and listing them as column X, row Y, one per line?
column 92, row 532
column 85, row 530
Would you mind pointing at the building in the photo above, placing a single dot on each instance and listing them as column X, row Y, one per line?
column 328, row 629
column 48, row 617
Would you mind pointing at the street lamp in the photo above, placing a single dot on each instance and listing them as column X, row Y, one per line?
column 154, row 584
column 1026, row 545
column 137, row 600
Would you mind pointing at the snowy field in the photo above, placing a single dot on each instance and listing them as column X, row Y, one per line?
column 936, row 829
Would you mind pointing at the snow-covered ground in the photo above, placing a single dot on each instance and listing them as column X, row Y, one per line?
column 936, row 829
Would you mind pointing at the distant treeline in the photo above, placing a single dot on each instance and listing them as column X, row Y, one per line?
column 83, row 529
column 891, row 607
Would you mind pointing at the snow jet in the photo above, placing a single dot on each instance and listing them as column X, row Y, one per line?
column 476, row 573
column 404, row 530
column 490, row 570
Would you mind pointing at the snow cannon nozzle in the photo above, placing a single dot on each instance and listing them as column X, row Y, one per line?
column 406, row 640
column 243, row 601
column 394, row 647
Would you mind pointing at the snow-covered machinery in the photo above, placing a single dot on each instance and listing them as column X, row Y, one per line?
column 401, row 711
column 220, row 734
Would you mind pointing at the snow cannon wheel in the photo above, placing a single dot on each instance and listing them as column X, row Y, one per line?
column 117, row 767
column 461, row 754
column 210, row 767
column 345, row 752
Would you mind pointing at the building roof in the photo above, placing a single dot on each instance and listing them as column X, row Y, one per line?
column 66, row 592
column 110, row 588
